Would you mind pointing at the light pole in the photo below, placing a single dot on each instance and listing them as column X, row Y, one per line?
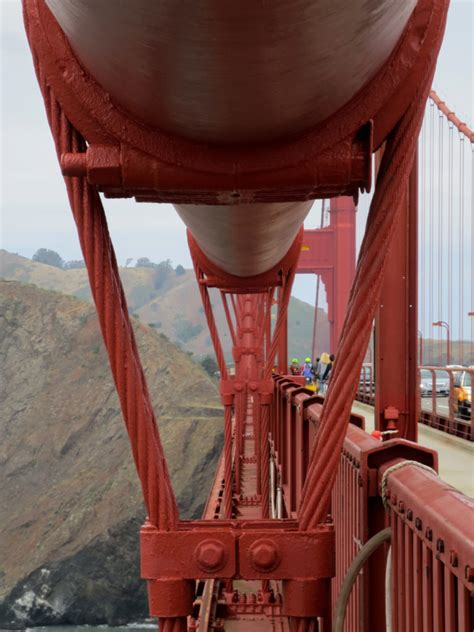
column 443, row 323
column 420, row 334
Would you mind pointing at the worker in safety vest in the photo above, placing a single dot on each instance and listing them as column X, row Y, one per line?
column 307, row 371
column 295, row 368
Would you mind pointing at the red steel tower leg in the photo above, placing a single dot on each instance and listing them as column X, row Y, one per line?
column 330, row 252
column 343, row 220
column 396, row 331
column 283, row 341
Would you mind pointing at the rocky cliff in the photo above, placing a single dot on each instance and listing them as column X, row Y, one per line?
column 70, row 503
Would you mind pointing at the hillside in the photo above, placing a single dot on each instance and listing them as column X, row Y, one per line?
column 70, row 502
column 168, row 301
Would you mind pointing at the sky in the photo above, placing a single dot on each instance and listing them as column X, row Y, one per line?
column 34, row 207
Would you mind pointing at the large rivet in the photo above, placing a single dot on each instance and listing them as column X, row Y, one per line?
column 210, row 556
column 265, row 555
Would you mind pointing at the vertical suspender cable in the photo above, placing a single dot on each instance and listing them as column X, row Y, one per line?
column 421, row 234
column 440, row 216
column 471, row 250
column 462, row 314
column 450, row 222
column 318, row 280
column 393, row 176
column 430, row 227
column 117, row 331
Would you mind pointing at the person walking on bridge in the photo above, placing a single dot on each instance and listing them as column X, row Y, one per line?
column 308, row 371
column 327, row 373
column 316, row 369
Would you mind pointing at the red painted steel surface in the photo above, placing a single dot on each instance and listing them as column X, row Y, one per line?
column 432, row 553
column 396, row 326
column 358, row 514
column 286, row 171
column 451, row 116
column 438, row 520
column 330, row 252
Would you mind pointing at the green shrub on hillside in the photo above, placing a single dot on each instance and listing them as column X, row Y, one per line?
column 209, row 365
column 185, row 330
column 48, row 257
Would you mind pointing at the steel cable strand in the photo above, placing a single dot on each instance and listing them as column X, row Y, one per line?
column 238, row 408
column 257, row 440
column 431, row 234
column 230, row 324
column 118, row 334
column 472, row 251
column 441, row 257
column 338, row 382
column 421, row 239
column 339, row 411
column 206, row 301
column 393, row 176
column 461, row 249
column 369, row 258
column 173, row 625
column 303, row 624
column 450, row 223
column 265, row 458
column 337, row 407
column 211, row 323
column 67, row 140
column 281, row 321
column 228, row 461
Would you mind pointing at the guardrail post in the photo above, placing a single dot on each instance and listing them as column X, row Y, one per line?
column 396, row 337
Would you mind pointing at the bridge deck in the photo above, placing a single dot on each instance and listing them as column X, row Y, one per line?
column 456, row 456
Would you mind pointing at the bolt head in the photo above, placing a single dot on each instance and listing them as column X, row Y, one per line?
column 265, row 555
column 210, row 556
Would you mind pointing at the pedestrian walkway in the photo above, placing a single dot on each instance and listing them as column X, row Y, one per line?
column 455, row 456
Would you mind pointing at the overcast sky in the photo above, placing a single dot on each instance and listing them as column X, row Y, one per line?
column 34, row 208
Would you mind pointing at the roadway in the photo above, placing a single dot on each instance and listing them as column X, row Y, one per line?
column 455, row 456
column 442, row 405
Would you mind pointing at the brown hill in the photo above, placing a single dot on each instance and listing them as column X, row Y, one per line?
column 70, row 503
column 167, row 301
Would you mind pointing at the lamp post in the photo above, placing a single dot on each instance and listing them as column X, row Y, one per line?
column 443, row 323
column 420, row 334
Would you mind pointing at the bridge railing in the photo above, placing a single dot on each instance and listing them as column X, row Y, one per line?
column 432, row 523
column 453, row 419
column 459, row 420
column 432, row 573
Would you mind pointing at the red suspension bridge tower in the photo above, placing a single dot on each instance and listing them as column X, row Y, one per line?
column 329, row 252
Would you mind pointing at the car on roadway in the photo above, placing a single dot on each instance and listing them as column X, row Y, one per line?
column 426, row 384
column 463, row 393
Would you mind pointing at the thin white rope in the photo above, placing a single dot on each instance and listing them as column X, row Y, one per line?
column 396, row 467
